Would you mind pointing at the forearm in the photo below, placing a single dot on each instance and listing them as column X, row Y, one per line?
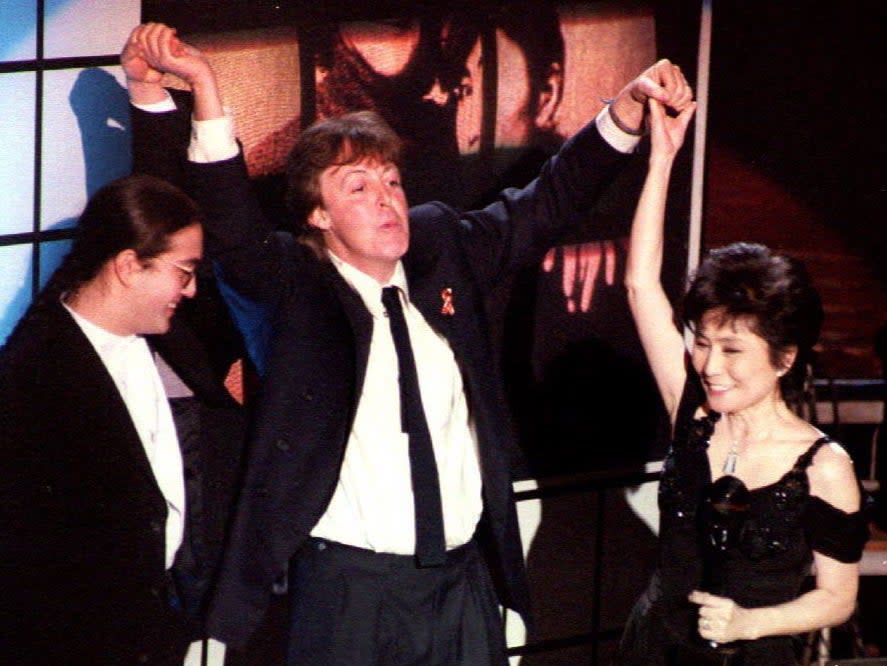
column 518, row 229
column 207, row 99
column 647, row 300
column 160, row 136
column 237, row 234
column 812, row 610
column 646, row 241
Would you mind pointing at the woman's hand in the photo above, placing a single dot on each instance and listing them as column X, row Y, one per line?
column 664, row 82
column 722, row 620
column 667, row 132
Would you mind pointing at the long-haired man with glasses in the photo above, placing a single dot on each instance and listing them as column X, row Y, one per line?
column 107, row 406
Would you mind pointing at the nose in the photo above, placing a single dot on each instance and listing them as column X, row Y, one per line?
column 190, row 289
column 384, row 195
column 712, row 364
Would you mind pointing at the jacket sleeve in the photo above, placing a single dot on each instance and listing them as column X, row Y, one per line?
column 239, row 238
column 522, row 224
column 159, row 140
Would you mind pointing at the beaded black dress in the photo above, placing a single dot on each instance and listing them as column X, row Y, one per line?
column 768, row 565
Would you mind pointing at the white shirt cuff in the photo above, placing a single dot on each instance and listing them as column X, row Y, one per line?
column 212, row 140
column 621, row 141
column 162, row 106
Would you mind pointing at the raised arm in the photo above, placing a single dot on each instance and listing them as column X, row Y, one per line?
column 238, row 237
column 522, row 225
column 649, row 304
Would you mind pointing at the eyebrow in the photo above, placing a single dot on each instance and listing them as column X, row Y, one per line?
column 719, row 338
column 729, row 339
column 192, row 262
column 348, row 169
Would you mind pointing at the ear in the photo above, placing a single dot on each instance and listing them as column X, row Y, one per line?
column 126, row 265
column 319, row 218
column 550, row 97
column 787, row 360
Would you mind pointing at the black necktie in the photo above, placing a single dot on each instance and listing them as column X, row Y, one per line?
column 430, row 544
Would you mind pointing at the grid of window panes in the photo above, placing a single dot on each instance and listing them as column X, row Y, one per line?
column 64, row 130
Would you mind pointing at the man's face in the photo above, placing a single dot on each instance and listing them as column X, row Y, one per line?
column 165, row 280
column 515, row 106
column 363, row 215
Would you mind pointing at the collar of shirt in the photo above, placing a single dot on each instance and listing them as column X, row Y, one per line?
column 367, row 287
column 107, row 344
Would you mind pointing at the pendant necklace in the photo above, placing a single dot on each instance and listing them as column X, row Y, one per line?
column 732, row 456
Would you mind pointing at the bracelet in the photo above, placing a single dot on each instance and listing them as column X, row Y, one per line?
column 621, row 125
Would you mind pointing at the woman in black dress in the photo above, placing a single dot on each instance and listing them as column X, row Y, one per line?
column 729, row 588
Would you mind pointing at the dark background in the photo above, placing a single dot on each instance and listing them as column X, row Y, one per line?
column 797, row 87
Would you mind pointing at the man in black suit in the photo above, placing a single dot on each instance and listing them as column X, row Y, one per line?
column 389, row 560
column 119, row 445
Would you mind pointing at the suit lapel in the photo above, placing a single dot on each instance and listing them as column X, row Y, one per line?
column 430, row 290
column 359, row 318
column 87, row 370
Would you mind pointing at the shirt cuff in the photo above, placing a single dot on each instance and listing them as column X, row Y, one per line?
column 621, row 141
column 212, row 140
column 163, row 106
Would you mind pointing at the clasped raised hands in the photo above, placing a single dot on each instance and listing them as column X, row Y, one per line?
column 154, row 49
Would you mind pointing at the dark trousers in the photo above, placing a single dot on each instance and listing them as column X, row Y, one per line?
column 354, row 607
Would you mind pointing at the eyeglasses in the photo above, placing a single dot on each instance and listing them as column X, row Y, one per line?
column 187, row 274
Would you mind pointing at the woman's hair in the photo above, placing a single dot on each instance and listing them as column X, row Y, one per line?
column 138, row 212
column 773, row 292
column 346, row 139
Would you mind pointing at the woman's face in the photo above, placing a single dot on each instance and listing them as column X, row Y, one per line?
column 734, row 363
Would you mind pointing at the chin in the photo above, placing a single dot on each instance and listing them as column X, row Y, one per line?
column 722, row 402
column 732, row 404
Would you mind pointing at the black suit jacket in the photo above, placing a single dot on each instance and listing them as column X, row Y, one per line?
column 319, row 350
column 82, row 570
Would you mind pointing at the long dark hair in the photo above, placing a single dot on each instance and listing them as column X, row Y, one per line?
column 137, row 212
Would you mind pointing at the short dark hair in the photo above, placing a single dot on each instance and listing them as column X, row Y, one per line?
column 345, row 139
column 774, row 292
column 536, row 29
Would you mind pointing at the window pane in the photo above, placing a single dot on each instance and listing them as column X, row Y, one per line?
column 87, row 27
column 51, row 255
column 86, row 140
column 17, row 155
column 18, row 21
column 15, row 286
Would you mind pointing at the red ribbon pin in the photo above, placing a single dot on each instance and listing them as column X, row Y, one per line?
column 447, row 308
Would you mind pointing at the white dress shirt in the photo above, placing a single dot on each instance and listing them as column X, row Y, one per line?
column 372, row 506
column 130, row 364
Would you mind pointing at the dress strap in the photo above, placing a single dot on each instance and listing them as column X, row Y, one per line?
column 804, row 460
